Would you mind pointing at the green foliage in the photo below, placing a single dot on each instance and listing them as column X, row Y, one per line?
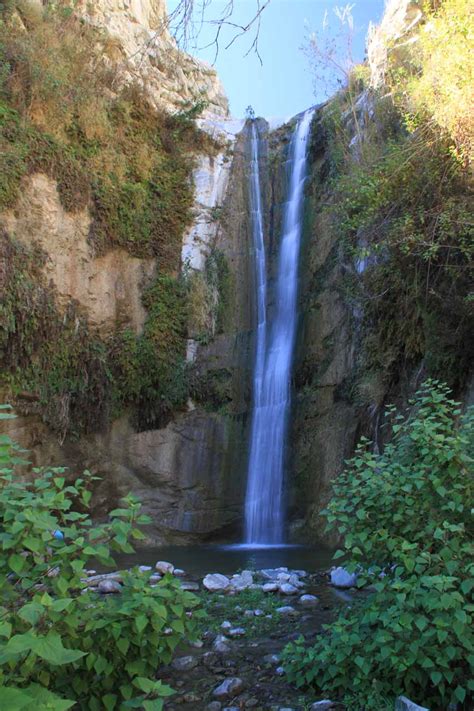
column 60, row 643
column 406, row 519
column 220, row 607
column 109, row 150
column 404, row 209
column 219, row 280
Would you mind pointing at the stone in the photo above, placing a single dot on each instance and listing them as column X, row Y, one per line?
column 288, row 589
column 226, row 625
column 216, row 582
column 258, row 613
column 308, row 600
column 214, row 706
column 286, row 610
column 183, row 664
column 322, row 705
column 144, row 568
column 221, row 644
column 109, row 586
column 229, row 687
column 190, row 586
column 280, row 671
column 163, row 567
column 341, row 578
column 236, row 632
column 242, row 581
column 271, row 658
column 270, row 587
column 404, row 704
column 179, row 572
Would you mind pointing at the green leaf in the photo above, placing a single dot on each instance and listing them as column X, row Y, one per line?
column 51, row 649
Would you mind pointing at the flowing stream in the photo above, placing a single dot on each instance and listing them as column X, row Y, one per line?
column 264, row 503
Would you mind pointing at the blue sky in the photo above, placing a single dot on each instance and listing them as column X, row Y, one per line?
column 284, row 84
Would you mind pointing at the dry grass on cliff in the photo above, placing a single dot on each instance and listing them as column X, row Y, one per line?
column 65, row 111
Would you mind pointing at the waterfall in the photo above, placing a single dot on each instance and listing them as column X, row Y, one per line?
column 264, row 505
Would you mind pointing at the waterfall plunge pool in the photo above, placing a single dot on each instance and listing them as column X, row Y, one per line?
column 198, row 560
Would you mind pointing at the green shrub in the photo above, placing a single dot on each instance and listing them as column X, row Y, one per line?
column 57, row 636
column 406, row 519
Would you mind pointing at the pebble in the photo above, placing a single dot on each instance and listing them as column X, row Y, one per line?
column 185, row 663
column 221, row 644
column 286, row 610
column 226, row 625
column 236, row 632
column 109, row 586
column 322, row 705
column 258, row 613
column 309, row 600
column 229, row 687
column 162, row 566
column 144, row 568
column 280, row 671
column 288, row 589
column 179, row 572
column 214, row 706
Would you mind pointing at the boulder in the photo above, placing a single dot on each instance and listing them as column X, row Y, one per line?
column 183, row 664
column 109, row 586
column 404, row 704
column 341, row 578
column 308, row 600
column 270, row 587
column 242, row 581
column 215, row 582
column 288, row 589
column 229, row 687
column 164, row 567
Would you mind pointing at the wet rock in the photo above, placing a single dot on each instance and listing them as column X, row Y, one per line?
column 185, row 663
column 215, row 582
column 322, row 705
column 270, row 587
column 214, row 706
column 163, row 567
column 404, row 704
column 179, row 572
column 294, row 580
column 279, row 671
column 221, row 644
column 236, row 632
column 341, row 578
column 308, row 600
column 286, row 610
column 109, row 586
column 288, row 589
column 229, row 687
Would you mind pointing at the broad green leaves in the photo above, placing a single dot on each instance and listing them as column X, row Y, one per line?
column 60, row 644
column 407, row 525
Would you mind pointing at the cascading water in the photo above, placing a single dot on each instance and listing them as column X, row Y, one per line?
column 264, row 507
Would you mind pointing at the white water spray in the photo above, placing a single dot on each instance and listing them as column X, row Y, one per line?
column 264, row 507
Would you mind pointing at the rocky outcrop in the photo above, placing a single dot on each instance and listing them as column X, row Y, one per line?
column 142, row 50
column 108, row 288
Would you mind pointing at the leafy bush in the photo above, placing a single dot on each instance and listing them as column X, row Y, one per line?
column 58, row 637
column 406, row 519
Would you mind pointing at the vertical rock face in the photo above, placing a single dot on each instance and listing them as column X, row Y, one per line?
column 142, row 50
